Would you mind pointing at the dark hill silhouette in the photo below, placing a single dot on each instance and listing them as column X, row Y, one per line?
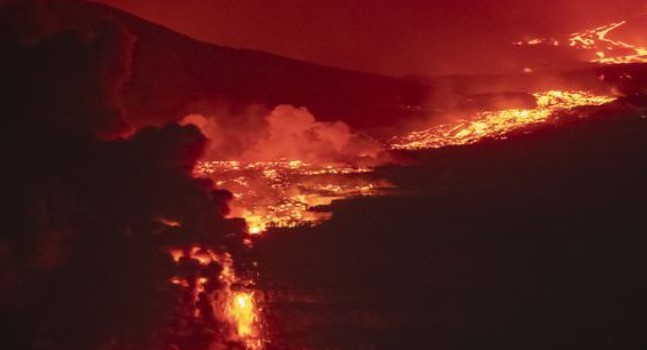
column 171, row 71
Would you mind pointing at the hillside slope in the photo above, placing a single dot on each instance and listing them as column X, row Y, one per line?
column 171, row 71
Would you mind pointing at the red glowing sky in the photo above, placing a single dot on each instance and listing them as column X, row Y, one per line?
column 395, row 37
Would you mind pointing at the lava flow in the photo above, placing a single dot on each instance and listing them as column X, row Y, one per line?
column 218, row 293
column 286, row 193
column 282, row 193
column 607, row 50
column 496, row 124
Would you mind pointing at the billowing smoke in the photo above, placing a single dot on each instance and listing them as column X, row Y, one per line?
column 285, row 133
column 83, row 261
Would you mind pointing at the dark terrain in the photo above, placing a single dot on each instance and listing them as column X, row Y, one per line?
column 536, row 242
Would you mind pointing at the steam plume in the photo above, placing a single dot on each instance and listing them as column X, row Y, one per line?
column 286, row 132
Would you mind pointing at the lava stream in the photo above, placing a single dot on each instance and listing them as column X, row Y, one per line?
column 230, row 299
column 496, row 124
column 609, row 51
column 282, row 193
column 596, row 40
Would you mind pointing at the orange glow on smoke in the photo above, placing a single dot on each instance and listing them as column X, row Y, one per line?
column 496, row 124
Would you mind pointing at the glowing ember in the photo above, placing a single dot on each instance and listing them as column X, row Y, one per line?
column 496, row 124
column 607, row 51
column 169, row 222
column 282, row 193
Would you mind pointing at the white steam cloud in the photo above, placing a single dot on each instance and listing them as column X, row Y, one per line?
column 287, row 133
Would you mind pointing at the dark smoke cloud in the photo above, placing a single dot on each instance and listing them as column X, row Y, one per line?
column 82, row 253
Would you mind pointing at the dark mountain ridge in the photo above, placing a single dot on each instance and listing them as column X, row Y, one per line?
column 171, row 71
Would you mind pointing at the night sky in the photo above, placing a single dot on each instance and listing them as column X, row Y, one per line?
column 382, row 36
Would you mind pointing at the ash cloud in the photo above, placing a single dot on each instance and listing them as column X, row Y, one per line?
column 82, row 253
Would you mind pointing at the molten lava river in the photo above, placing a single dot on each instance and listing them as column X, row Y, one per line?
column 598, row 42
column 281, row 193
column 290, row 193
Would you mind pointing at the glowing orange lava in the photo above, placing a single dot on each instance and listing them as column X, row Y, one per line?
column 282, row 193
column 242, row 310
column 231, row 304
column 496, row 124
column 609, row 51
column 596, row 40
